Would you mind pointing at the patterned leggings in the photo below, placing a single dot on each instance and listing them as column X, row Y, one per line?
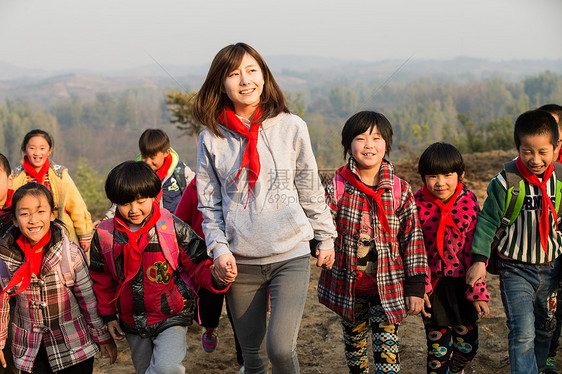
column 450, row 349
column 368, row 311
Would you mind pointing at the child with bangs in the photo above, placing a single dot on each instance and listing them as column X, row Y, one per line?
column 448, row 212
column 37, row 146
column 380, row 269
column 147, row 266
column 55, row 325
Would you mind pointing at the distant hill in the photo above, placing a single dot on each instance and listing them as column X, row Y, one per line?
column 293, row 73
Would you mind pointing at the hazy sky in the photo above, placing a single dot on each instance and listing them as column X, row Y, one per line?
column 116, row 34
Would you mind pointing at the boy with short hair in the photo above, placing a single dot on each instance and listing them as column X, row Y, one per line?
column 528, row 250
column 155, row 150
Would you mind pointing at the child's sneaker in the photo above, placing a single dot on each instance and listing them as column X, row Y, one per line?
column 209, row 339
column 241, row 369
column 550, row 366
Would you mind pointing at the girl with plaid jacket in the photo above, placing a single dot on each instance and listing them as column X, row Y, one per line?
column 56, row 326
column 380, row 268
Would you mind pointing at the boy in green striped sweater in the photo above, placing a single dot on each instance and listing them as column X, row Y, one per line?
column 528, row 250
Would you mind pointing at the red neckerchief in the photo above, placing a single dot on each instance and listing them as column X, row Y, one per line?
column 559, row 157
column 251, row 156
column 8, row 202
column 39, row 176
column 32, row 265
column 544, row 225
column 136, row 243
column 445, row 219
column 349, row 176
column 162, row 172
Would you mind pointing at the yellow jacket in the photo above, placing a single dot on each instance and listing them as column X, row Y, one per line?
column 71, row 208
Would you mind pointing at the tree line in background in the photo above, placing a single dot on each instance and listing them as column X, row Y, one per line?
column 94, row 135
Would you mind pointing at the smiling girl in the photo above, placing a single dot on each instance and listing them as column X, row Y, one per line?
column 381, row 266
column 262, row 202
column 448, row 213
column 56, row 325
column 36, row 147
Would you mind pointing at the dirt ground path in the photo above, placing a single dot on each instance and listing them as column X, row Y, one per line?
column 320, row 344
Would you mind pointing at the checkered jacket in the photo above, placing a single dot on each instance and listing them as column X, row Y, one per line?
column 64, row 320
column 401, row 253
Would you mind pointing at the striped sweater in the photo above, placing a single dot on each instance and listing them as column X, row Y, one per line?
column 521, row 241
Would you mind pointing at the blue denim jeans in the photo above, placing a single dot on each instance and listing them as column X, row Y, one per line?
column 286, row 284
column 529, row 298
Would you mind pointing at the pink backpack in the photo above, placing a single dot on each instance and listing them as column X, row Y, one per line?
column 64, row 268
column 166, row 236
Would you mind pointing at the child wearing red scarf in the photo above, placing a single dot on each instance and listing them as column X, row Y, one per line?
column 56, row 325
column 381, row 265
column 147, row 266
column 448, row 212
column 529, row 249
column 37, row 146
column 6, row 182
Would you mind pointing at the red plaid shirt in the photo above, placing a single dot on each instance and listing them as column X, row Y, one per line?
column 401, row 253
column 64, row 320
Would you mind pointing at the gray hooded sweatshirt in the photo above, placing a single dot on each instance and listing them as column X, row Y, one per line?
column 284, row 210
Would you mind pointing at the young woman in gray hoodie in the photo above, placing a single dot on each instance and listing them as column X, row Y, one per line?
column 262, row 202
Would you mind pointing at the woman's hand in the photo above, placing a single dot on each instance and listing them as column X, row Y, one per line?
column 2, row 359
column 224, row 268
column 325, row 258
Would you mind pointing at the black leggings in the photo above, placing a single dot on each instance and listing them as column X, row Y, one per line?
column 41, row 365
column 210, row 308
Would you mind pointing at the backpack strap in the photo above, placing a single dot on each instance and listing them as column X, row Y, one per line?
column 166, row 232
column 558, row 192
column 396, row 192
column 65, row 265
column 179, row 173
column 514, row 199
column 105, row 237
column 4, row 275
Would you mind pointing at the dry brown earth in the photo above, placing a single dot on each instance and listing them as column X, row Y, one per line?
column 320, row 343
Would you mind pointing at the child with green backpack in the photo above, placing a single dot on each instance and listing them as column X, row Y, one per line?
column 529, row 243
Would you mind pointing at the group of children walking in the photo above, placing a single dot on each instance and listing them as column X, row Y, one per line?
column 385, row 252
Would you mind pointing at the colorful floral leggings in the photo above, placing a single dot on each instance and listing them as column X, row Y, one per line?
column 368, row 311
column 450, row 349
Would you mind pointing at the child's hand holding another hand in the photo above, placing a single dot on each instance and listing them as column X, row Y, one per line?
column 481, row 308
column 109, row 350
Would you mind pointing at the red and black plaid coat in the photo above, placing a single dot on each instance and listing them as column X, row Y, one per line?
column 401, row 253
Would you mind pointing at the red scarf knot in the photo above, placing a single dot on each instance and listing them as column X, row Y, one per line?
column 547, row 206
column 33, row 259
column 163, row 171
column 39, row 176
column 136, row 243
column 445, row 219
column 251, row 157
column 352, row 179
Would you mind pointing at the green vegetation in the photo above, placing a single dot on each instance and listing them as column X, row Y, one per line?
column 94, row 133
